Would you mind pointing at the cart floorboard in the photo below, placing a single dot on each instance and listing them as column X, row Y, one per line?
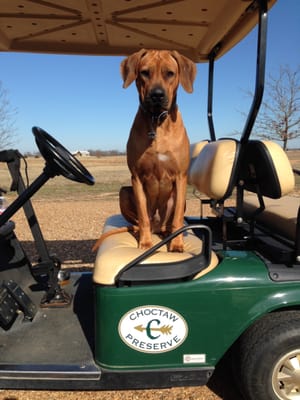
column 71, row 329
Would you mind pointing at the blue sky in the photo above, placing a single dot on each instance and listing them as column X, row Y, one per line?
column 80, row 100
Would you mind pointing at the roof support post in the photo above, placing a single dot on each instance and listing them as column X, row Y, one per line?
column 260, row 70
column 211, row 57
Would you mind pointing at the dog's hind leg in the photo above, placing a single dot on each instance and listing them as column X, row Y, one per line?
column 127, row 204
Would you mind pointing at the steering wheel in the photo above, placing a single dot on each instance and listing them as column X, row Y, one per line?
column 59, row 160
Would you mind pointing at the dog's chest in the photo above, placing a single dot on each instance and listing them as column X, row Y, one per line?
column 157, row 165
column 162, row 159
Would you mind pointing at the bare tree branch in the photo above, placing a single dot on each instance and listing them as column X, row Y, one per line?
column 279, row 118
column 7, row 120
column 279, row 115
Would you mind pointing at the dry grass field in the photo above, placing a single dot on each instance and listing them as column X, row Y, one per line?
column 110, row 174
column 71, row 216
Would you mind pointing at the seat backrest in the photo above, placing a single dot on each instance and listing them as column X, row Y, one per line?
column 213, row 171
column 266, row 169
column 195, row 149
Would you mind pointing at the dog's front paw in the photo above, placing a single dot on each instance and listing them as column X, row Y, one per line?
column 176, row 245
column 145, row 244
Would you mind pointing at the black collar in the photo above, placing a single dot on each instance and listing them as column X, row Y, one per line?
column 156, row 119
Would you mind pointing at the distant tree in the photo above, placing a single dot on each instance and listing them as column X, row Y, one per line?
column 105, row 153
column 279, row 117
column 7, row 120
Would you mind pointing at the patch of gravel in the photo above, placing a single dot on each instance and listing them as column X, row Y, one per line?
column 202, row 393
column 70, row 228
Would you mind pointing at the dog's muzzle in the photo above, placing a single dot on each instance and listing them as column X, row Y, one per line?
column 156, row 101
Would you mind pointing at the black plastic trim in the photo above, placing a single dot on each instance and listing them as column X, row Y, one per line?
column 53, row 377
column 137, row 273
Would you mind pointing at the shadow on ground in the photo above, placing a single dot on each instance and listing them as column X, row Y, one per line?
column 222, row 383
column 77, row 253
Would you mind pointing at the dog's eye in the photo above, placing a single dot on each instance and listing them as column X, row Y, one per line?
column 170, row 74
column 145, row 73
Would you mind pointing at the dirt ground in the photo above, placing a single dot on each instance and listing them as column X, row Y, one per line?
column 70, row 228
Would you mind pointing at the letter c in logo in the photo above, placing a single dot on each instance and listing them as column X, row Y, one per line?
column 148, row 329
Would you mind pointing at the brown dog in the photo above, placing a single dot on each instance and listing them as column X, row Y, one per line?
column 158, row 146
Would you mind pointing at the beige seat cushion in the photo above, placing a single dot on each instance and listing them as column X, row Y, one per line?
column 195, row 149
column 212, row 170
column 266, row 169
column 283, row 167
column 119, row 249
column 280, row 215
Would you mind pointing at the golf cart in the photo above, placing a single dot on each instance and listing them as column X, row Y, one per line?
column 156, row 319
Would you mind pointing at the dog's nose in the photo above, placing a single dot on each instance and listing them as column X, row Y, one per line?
column 157, row 95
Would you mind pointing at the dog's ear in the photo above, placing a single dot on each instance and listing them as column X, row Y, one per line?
column 129, row 67
column 187, row 71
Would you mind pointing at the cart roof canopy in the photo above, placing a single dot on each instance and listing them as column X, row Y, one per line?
column 121, row 27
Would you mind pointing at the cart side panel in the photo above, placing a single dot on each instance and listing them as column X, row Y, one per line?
column 183, row 324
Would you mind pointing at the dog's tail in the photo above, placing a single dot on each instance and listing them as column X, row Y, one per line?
column 130, row 228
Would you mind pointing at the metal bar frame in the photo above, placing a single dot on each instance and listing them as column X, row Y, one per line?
column 211, row 66
column 260, row 76
column 260, row 70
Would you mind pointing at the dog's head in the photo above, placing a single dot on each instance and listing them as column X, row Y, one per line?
column 157, row 74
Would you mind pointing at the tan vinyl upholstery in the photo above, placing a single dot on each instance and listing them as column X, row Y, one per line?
column 195, row 149
column 119, row 249
column 280, row 215
column 212, row 171
column 266, row 169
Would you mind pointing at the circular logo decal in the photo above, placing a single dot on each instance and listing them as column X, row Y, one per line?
column 153, row 329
